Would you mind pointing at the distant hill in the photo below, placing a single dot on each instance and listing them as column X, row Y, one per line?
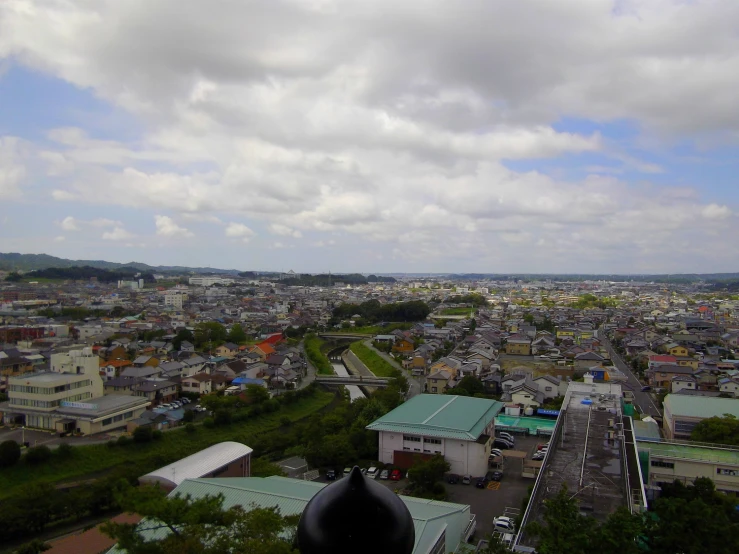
column 28, row 262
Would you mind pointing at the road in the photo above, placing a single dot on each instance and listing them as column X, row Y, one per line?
column 643, row 400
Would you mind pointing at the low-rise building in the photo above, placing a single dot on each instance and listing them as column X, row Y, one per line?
column 459, row 428
column 683, row 412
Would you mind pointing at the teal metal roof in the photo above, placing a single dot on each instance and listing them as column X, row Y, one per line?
column 430, row 517
column 700, row 406
column 438, row 415
column 688, row 452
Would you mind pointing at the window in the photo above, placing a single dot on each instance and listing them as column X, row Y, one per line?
column 548, row 389
column 730, row 472
column 660, row 463
column 432, row 441
column 411, row 438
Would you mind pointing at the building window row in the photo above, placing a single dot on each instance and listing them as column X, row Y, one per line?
column 411, row 438
column 660, row 463
column 27, row 389
column 432, row 441
column 724, row 471
column 117, row 418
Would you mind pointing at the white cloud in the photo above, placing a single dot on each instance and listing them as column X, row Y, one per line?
column 12, row 167
column 168, row 228
column 118, row 233
column 714, row 211
column 239, row 230
column 69, row 224
column 284, row 231
column 59, row 238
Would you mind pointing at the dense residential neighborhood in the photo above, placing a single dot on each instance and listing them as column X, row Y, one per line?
column 88, row 360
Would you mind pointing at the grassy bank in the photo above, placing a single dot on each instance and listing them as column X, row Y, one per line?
column 376, row 363
column 319, row 360
column 173, row 445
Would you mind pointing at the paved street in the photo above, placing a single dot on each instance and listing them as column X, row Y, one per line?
column 643, row 400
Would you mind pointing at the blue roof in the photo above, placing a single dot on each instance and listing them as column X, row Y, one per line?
column 247, row 381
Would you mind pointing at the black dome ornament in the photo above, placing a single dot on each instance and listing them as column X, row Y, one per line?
column 356, row 515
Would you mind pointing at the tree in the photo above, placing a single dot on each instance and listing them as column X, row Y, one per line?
column 34, row 547
column 471, row 384
column 720, row 430
column 200, row 526
column 10, row 453
column 564, row 528
column 182, row 336
column 236, row 334
column 210, row 334
column 427, row 474
column 142, row 434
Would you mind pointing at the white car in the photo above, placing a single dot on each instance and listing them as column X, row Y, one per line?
column 166, row 406
column 504, row 524
column 496, row 453
column 372, row 472
column 176, row 405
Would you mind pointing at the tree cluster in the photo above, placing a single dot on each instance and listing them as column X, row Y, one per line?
column 719, row 430
column 695, row 518
column 471, row 298
column 325, row 280
column 86, row 272
column 427, row 476
column 372, row 311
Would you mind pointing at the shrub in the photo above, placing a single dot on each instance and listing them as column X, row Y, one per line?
column 190, row 428
column 156, row 434
column 111, row 443
column 10, row 453
column 188, row 416
column 209, row 423
column 65, row 451
column 284, row 420
column 223, row 417
column 38, row 454
column 123, row 440
column 142, row 434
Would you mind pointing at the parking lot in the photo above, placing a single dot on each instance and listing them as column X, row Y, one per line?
column 491, row 501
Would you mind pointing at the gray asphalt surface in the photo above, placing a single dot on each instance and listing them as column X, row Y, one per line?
column 643, row 400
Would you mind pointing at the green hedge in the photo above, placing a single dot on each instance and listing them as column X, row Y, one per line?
column 376, row 363
column 316, row 357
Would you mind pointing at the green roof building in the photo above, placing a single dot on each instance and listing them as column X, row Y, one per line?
column 459, row 428
column 439, row 526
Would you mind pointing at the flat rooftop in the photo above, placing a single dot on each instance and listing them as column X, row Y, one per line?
column 583, row 456
column 690, row 452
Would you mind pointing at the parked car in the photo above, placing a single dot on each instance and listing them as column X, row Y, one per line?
column 166, row 406
column 494, row 476
column 539, row 455
column 466, row 480
column 646, row 388
column 502, row 444
column 372, row 472
column 544, row 446
column 384, row 474
column 185, row 400
column 481, row 482
column 504, row 524
column 396, row 475
column 452, row 478
column 331, row 475
column 496, row 453
column 176, row 405
column 347, row 471
column 507, row 436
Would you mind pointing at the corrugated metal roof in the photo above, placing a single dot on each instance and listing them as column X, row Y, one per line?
column 199, row 464
column 436, row 415
column 700, row 406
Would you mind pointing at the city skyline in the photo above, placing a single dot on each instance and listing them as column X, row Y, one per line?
column 579, row 137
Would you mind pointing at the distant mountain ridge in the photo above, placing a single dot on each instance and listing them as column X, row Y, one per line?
column 14, row 261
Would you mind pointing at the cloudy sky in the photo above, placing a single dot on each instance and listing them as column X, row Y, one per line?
column 373, row 136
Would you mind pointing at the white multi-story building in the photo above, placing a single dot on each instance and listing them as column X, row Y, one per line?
column 210, row 281
column 175, row 298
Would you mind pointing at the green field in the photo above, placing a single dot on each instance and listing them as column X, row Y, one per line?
column 376, row 363
column 457, row 311
column 95, row 460
column 316, row 356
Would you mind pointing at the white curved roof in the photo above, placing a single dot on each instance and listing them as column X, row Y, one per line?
column 198, row 464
